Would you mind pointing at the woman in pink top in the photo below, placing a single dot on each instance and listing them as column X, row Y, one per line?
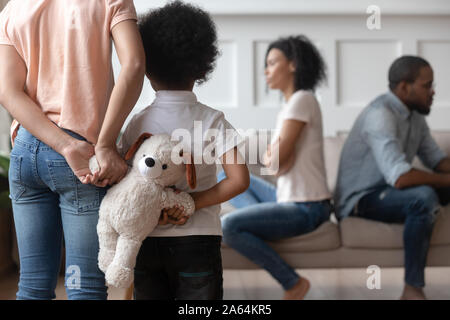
column 57, row 82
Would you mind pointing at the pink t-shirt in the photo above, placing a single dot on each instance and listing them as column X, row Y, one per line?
column 66, row 46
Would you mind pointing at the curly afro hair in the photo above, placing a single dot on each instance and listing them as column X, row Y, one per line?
column 180, row 42
column 310, row 69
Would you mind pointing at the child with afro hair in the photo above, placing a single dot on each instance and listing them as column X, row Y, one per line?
column 181, row 258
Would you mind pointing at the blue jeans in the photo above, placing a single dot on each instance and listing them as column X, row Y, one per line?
column 247, row 229
column 416, row 208
column 49, row 202
column 258, row 191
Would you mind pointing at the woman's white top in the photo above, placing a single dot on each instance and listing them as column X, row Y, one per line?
column 306, row 180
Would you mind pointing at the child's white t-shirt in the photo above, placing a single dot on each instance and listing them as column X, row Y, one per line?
column 172, row 110
column 306, row 180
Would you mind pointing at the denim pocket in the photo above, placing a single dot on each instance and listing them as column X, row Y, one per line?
column 16, row 187
column 80, row 198
column 88, row 197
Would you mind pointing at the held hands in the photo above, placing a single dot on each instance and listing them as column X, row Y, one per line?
column 112, row 167
column 77, row 154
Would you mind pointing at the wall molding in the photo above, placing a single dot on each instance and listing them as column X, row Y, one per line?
column 316, row 7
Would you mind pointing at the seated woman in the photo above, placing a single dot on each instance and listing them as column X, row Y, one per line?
column 301, row 200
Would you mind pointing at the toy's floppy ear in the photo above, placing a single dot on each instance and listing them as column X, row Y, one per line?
column 191, row 176
column 130, row 153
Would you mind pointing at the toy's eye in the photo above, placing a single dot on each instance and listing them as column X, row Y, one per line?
column 164, row 166
column 143, row 156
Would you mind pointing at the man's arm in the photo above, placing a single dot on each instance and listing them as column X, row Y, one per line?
column 416, row 177
column 13, row 73
column 443, row 166
column 432, row 157
column 126, row 92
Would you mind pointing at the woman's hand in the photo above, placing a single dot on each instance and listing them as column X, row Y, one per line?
column 77, row 154
column 267, row 156
column 113, row 167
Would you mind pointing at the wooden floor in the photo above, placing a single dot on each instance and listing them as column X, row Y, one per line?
column 326, row 284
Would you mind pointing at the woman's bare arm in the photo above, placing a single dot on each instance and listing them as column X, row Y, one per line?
column 127, row 89
column 280, row 156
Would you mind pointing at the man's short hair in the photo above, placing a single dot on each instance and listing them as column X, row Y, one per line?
column 405, row 68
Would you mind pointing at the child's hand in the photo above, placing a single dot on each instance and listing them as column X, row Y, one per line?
column 173, row 215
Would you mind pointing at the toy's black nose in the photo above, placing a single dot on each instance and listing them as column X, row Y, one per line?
column 150, row 162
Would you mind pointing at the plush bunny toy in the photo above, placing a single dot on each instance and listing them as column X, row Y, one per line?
column 130, row 209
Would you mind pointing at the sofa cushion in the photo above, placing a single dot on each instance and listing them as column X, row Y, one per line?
column 325, row 237
column 332, row 147
column 370, row 234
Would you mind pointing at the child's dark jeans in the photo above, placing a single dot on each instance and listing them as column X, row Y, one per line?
column 182, row 268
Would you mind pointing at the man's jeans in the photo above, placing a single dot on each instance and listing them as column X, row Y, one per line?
column 416, row 208
column 260, row 218
column 49, row 202
column 182, row 268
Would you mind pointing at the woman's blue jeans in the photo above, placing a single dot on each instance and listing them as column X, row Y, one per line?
column 49, row 202
column 259, row 219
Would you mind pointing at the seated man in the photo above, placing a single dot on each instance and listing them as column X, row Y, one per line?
column 376, row 180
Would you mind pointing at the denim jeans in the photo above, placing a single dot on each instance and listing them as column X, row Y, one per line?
column 182, row 268
column 247, row 229
column 416, row 208
column 258, row 191
column 49, row 202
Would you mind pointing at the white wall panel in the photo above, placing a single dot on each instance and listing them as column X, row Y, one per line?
column 362, row 66
column 437, row 52
column 221, row 88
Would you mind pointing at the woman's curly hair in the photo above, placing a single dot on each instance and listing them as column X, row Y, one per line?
column 180, row 43
column 310, row 69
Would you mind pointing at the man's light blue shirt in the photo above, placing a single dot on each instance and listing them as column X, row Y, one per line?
column 380, row 148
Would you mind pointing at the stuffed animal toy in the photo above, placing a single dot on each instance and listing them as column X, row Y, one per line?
column 131, row 209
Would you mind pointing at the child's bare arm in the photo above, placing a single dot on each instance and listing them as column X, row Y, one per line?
column 236, row 182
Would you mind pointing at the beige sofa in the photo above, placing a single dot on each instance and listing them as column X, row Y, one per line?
column 353, row 242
